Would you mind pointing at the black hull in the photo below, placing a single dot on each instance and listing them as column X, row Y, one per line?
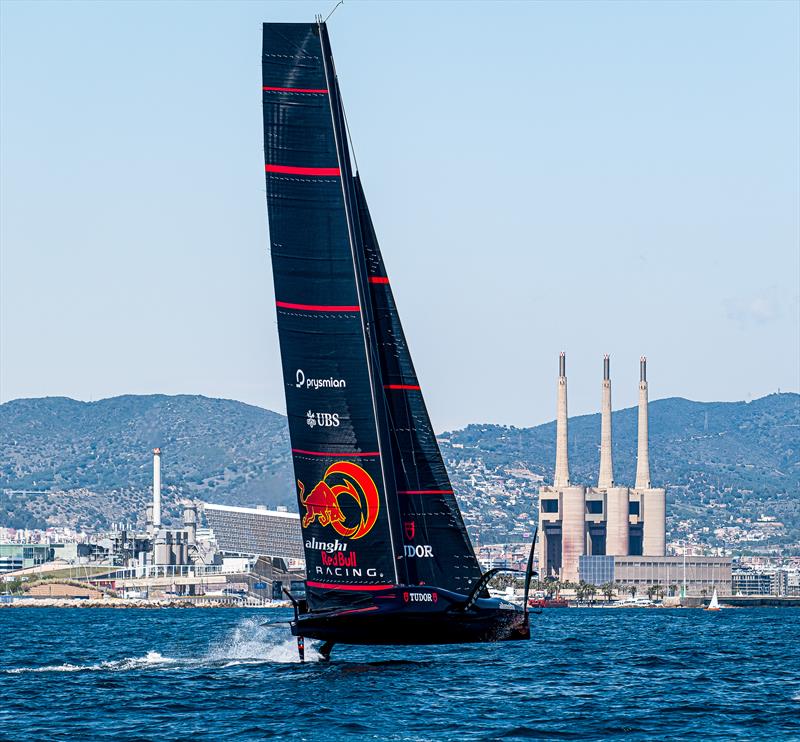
column 416, row 615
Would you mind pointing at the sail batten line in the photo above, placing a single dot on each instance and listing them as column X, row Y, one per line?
column 318, row 307
column 340, row 586
column 424, row 492
column 412, row 387
column 336, row 454
column 291, row 170
column 315, row 91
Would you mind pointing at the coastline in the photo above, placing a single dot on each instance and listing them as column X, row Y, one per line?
column 123, row 603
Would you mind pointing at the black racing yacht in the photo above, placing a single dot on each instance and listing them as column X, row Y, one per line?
column 388, row 558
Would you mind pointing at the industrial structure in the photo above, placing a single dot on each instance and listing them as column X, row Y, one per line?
column 606, row 520
column 683, row 575
column 245, row 551
column 255, row 531
column 157, row 546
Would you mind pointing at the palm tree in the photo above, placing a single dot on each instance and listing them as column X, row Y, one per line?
column 651, row 591
column 632, row 591
column 607, row 589
column 567, row 585
column 552, row 587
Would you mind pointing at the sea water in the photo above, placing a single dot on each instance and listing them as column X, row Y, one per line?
column 205, row 674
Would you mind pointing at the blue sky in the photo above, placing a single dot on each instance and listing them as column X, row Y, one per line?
column 589, row 177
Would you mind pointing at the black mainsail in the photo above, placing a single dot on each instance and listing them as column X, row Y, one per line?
column 388, row 557
column 331, row 382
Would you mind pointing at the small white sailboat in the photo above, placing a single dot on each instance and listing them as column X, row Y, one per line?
column 714, row 604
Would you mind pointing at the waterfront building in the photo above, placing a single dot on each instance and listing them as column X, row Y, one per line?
column 23, row 556
column 255, row 531
column 606, row 520
column 691, row 576
column 749, row 581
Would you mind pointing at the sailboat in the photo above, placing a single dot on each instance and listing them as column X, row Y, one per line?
column 388, row 558
column 714, row 604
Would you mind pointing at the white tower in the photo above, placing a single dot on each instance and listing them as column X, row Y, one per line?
column 561, row 478
column 156, row 489
column 606, row 478
column 643, row 454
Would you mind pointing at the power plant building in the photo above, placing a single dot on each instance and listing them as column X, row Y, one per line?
column 576, row 521
column 255, row 531
column 692, row 575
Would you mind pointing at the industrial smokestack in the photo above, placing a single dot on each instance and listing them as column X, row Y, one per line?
column 573, row 531
column 617, row 521
column 156, row 488
column 606, row 478
column 654, row 531
column 561, row 478
column 190, row 523
column 643, row 454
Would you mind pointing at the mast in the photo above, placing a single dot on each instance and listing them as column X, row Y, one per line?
column 360, row 268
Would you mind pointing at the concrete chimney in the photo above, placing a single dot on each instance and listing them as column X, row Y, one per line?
column 156, row 488
column 654, row 529
column 606, row 478
column 190, row 523
column 643, row 454
column 573, row 531
column 617, row 521
column 561, row 478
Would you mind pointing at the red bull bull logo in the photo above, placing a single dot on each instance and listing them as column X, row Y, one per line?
column 323, row 504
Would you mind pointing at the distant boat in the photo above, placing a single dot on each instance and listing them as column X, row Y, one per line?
column 548, row 603
column 714, row 604
column 388, row 557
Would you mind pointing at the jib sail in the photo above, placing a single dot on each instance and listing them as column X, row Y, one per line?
column 435, row 542
column 344, row 472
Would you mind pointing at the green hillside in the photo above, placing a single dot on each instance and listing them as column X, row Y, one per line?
column 725, row 464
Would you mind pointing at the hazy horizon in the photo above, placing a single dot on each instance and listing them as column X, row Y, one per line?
column 588, row 177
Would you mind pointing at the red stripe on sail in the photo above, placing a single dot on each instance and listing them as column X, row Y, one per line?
column 294, row 90
column 318, row 307
column 402, row 386
column 424, row 492
column 379, row 279
column 289, row 170
column 333, row 586
column 336, row 454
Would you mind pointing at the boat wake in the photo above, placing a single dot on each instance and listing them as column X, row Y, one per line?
column 251, row 642
column 248, row 643
column 151, row 659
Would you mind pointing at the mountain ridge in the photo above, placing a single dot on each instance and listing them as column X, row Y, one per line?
column 65, row 461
